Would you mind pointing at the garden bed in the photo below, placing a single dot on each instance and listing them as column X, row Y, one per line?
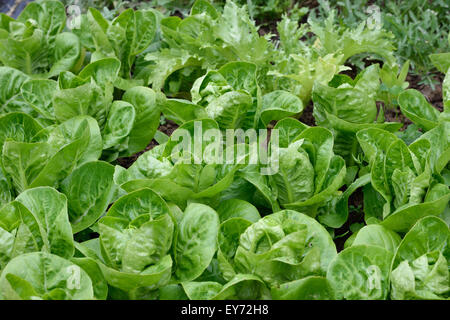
column 355, row 132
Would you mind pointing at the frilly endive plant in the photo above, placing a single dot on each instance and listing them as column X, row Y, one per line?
column 299, row 66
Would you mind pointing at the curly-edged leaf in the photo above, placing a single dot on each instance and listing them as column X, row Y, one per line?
column 350, row 42
column 237, row 30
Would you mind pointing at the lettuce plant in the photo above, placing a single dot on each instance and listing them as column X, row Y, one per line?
column 35, row 43
column 206, row 39
column 51, row 278
column 46, row 158
column 134, row 244
column 195, row 217
column 142, row 245
column 416, row 107
column 309, row 174
column 420, row 266
column 406, row 177
column 36, row 220
column 378, row 263
column 166, row 171
column 124, row 38
column 90, row 93
column 219, row 91
column 349, row 106
column 232, row 96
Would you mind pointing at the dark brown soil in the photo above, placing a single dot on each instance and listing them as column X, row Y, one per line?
column 395, row 115
column 307, row 115
column 355, row 215
column 168, row 128
column 433, row 95
column 268, row 27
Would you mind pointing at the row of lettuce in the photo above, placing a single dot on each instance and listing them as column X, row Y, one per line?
column 75, row 226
